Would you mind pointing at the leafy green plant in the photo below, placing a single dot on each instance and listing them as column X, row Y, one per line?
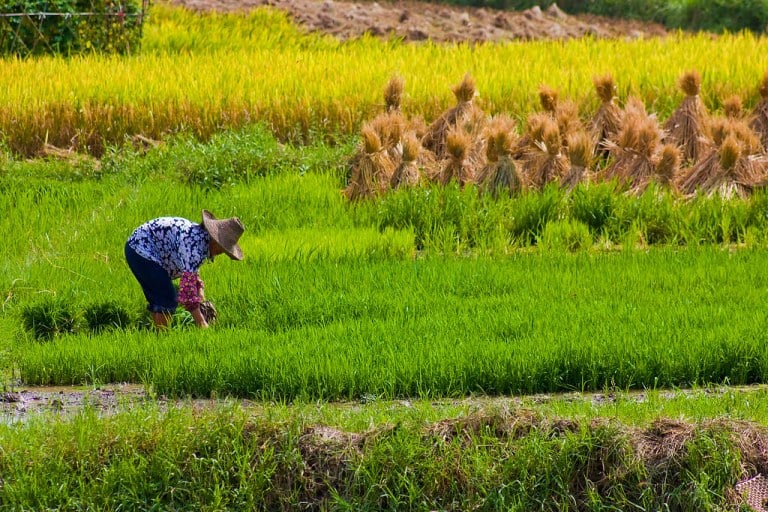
column 48, row 319
column 107, row 315
column 568, row 235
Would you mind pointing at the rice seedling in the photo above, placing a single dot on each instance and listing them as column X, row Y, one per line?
column 104, row 316
column 687, row 126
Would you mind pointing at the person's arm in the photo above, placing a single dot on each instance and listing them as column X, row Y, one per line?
column 190, row 296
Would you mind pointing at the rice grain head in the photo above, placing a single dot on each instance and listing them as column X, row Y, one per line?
column 579, row 149
column 730, row 152
column 393, row 93
column 605, row 87
column 690, row 83
column 457, row 143
column 733, row 107
column 466, row 90
column 371, row 140
column 668, row 165
column 411, row 147
column 548, row 98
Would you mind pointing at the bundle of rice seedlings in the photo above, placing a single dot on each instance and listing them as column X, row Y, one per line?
column 580, row 155
column 759, row 116
column 465, row 112
column 728, row 170
column 407, row 172
column 500, row 171
column 457, row 145
column 606, row 122
column 546, row 163
column 687, row 126
column 372, row 167
column 393, row 93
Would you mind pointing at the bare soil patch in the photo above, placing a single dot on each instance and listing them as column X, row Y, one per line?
column 421, row 21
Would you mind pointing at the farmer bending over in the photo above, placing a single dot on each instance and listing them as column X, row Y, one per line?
column 169, row 248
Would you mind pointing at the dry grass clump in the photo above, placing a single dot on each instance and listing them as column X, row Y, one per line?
column 687, row 126
column 407, row 172
column 372, row 167
column 545, row 162
column 500, row 172
column 463, row 113
column 606, row 123
column 759, row 116
column 580, row 156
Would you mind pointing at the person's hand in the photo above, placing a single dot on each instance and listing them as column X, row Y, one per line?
column 199, row 318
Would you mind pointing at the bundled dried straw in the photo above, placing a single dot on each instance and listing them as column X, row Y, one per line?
column 580, row 155
column 393, row 93
column 545, row 162
column 390, row 127
column 687, row 126
column 759, row 116
column 372, row 167
column 500, row 172
column 668, row 165
column 730, row 169
column 534, row 130
column 457, row 145
column 733, row 107
column 407, row 172
column 465, row 114
column 548, row 99
column 634, row 152
column 606, row 123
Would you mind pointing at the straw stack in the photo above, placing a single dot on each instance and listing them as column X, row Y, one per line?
column 759, row 116
column 606, row 123
column 456, row 168
column 407, row 172
column 687, row 126
column 372, row 167
column 464, row 114
column 545, row 163
column 500, row 172
column 580, row 156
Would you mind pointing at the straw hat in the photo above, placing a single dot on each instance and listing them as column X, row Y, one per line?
column 225, row 232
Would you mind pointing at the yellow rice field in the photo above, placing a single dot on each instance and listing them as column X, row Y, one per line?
column 205, row 73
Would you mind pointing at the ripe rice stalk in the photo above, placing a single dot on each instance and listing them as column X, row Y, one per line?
column 606, row 122
column 407, row 172
column 546, row 163
column 758, row 119
column 371, row 167
column 687, row 126
column 435, row 137
column 455, row 167
column 727, row 171
column 580, row 156
column 393, row 93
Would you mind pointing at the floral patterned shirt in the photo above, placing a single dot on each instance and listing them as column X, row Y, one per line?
column 178, row 245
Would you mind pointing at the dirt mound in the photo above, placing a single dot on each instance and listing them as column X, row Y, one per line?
column 418, row 21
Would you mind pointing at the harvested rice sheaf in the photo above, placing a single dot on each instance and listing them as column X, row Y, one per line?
column 580, row 153
column 372, row 167
column 407, row 172
column 545, row 163
column 758, row 119
column 393, row 93
column 465, row 112
column 500, row 172
column 687, row 126
column 456, row 168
